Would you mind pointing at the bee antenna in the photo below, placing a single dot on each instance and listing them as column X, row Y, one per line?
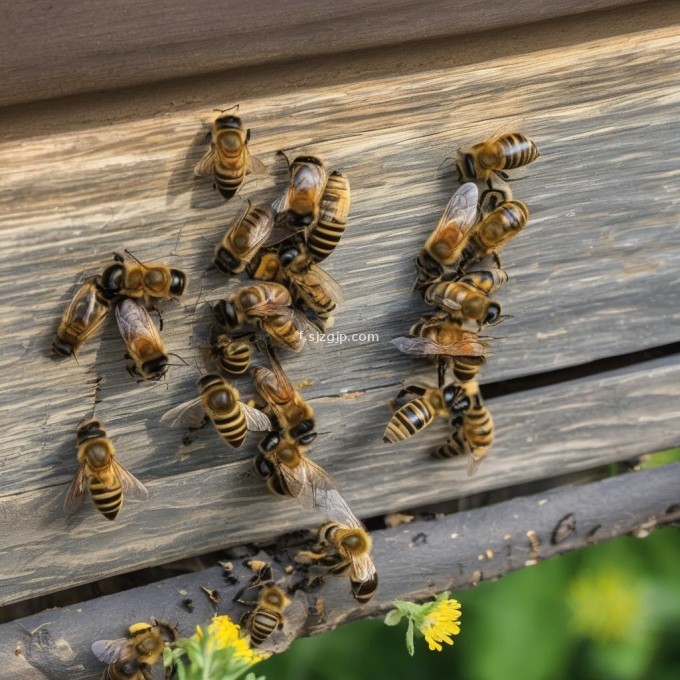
column 283, row 153
column 172, row 354
column 235, row 106
column 118, row 257
column 134, row 258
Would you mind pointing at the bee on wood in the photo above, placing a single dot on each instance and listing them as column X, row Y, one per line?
column 146, row 355
column 303, row 197
column 244, row 238
column 345, row 548
column 219, row 401
column 333, row 211
column 483, row 161
column 228, row 157
column 417, row 414
column 464, row 302
column 81, row 319
column 473, row 432
column 444, row 247
column 232, row 354
column 131, row 657
column 105, row 478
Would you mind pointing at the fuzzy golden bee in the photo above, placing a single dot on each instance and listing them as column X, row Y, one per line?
column 493, row 157
column 228, row 158
column 82, row 318
column 306, row 185
column 333, row 212
column 465, row 302
column 103, row 476
column 220, row 402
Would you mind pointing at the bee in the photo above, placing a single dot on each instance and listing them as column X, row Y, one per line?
column 496, row 229
column 291, row 414
column 445, row 245
column 146, row 355
column 485, row 160
column 232, row 354
column 265, row 266
column 345, row 548
column 228, row 157
column 312, row 285
column 131, row 658
column 306, row 186
column 219, row 400
column 244, row 238
column 269, row 307
column 419, row 413
column 81, row 319
column 148, row 282
column 105, row 478
column 437, row 338
column 473, row 431
column 461, row 300
column 334, row 209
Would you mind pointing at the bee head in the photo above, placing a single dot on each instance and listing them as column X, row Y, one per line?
column 178, row 281
column 298, row 220
column 225, row 314
column 113, row 278
column 493, row 314
column 228, row 122
column 288, row 255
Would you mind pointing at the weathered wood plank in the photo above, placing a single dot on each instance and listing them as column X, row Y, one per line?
column 544, row 432
column 86, row 46
column 414, row 562
column 594, row 275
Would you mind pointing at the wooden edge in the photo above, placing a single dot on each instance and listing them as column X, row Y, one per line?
column 98, row 45
column 414, row 561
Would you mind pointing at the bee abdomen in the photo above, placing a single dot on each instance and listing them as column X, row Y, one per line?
column 108, row 500
column 466, row 368
column 452, row 448
column 236, row 358
column 232, row 427
column 262, row 625
column 228, row 181
column 515, row 214
column 518, row 150
column 409, row 419
column 324, row 238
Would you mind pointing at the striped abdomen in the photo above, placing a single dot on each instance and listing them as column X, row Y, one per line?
column 486, row 281
column 286, row 334
column 517, row 150
column 453, row 447
column 221, row 403
column 317, row 300
column 230, row 161
column 324, row 237
column 263, row 624
column 231, row 425
column 235, row 357
column 466, row 368
column 107, row 495
column 412, row 417
column 478, row 426
column 500, row 225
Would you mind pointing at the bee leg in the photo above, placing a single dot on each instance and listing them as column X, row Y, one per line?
column 245, row 617
column 247, row 135
column 496, row 259
column 441, row 372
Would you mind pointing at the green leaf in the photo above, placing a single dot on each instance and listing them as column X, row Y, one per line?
column 409, row 638
column 393, row 617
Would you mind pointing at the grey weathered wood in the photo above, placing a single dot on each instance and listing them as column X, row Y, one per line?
column 216, row 502
column 595, row 275
column 86, row 46
column 415, row 561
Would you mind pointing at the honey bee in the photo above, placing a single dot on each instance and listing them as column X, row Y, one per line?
column 228, row 157
column 334, row 209
column 244, row 238
column 232, row 354
column 219, row 400
column 312, row 285
column 505, row 151
column 148, row 282
column 106, row 479
column 345, row 548
column 306, row 186
column 461, row 300
column 437, row 338
column 445, row 245
column 473, row 431
column 147, row 359
column 81, row 319
column 269, row 307
column 496, row 229
column 291, row 414
column 265, row 266
column 420, row 412
column 131, row 658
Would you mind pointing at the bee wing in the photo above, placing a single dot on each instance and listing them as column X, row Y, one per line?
column 254, row 166
column 132, row 487
column 255, row 420
column 135, row 325
column 86, row 308
column 308, row 483
column 316, row 276
column 109, row 651
column 362, row 568
column 475, row 458
column 460, row 212
column 466, row 347
column 443, row 301
column 74, row 495
column 294, row 619
column 189, row 414
column 336, row 509
column 310, row 331
column 205, row 165
column 286, row 386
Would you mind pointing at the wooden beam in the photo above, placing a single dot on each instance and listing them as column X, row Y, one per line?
column 414, row 561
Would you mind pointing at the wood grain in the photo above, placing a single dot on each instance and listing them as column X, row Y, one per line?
column 414, row 561
column 86, row 46
column 594, row 275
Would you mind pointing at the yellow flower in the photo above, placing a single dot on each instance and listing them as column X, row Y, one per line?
column 440, row 623
column 225, row 633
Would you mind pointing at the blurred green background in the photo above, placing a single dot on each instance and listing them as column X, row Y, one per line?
column 607, row 612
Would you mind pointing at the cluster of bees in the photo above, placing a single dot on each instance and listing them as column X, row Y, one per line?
column 280, row 246
column 457, row 270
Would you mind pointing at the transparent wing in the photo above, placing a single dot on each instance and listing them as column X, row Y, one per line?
column 74, row 495
column 315, row 276
column 206, row 165
column 132, row 487
column 470, row 346
column 109, row 651
column 475, row 458
column 308, row 483
column 256, row 420
column 135, row 325
column 310, row 331
column 188, row 414
column 336, row 509
column 443, row 301
column 362, row 568
column 254, row 166
column 461, row 210
column 285, row 386
column 294, row 619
